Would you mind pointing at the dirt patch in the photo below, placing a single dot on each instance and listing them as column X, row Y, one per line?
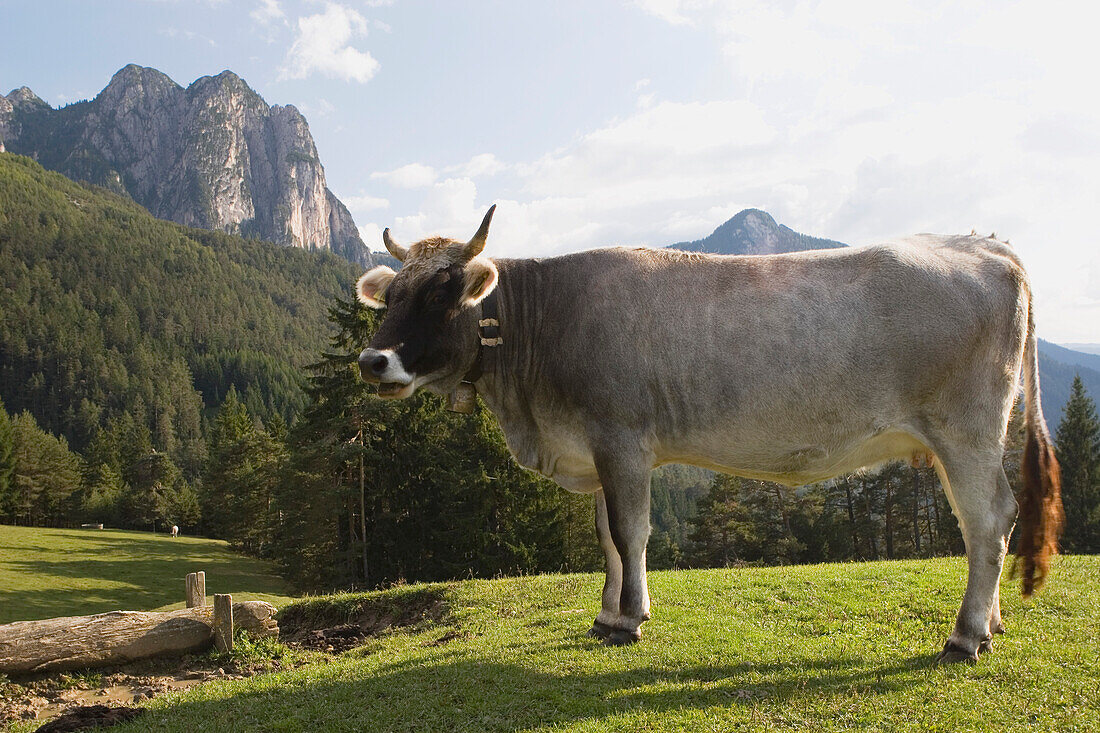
column 84, row 717
column 336, row 627
column 46, row 696
column 325, row 625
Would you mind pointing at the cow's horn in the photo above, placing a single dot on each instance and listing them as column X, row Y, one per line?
column 475, row 245
column 394, row 248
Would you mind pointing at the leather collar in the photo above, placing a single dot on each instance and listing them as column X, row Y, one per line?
column 464, row 396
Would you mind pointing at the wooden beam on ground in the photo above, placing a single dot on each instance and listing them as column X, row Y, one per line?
column 223, row 622
column 75, row 642
column 196, row 589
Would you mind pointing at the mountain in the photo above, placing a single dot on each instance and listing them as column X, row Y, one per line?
column 1076, row 357
column 213, row 156
column 1057, row 368
column 1086, row 348
column 111, row 319
column 755, row 232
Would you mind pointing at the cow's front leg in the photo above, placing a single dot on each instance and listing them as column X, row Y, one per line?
column 625, row 482
column 605, row 621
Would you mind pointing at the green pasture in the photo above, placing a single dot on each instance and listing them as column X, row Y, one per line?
column 71, row 572
column 814, row 648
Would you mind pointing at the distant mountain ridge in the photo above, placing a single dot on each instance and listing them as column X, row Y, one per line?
column 214, row 156
column 755, row 232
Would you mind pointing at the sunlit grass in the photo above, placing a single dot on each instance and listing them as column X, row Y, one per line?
column 822, row 648
column 69, row 572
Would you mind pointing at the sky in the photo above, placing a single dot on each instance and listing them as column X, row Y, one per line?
column 621, row 122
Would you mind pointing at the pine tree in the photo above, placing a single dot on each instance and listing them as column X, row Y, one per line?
column 1077, row 446
column 239, row 486
column 722, row 532
column 152, row 488
column 7, row 465
column 377, row 491
column 103, row 495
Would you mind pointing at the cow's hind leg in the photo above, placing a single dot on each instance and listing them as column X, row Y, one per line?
column 608, row 616
column 625, row 480
column 986, row 509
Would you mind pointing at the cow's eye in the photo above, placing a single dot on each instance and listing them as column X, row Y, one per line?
column 438, row 299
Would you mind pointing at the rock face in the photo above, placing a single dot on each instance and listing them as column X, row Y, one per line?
column 755, row 232
column 213, row 156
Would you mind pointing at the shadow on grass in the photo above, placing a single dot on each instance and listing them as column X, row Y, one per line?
column 458, row 693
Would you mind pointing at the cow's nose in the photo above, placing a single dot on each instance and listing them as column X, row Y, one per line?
column 372, row 363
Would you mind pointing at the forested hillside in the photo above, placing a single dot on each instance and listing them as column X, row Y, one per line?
column 148, row 374
column 112, row 316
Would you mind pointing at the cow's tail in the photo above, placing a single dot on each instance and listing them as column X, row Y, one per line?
column 1040, row 500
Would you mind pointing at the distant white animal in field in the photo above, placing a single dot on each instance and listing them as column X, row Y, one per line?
column 175, row 531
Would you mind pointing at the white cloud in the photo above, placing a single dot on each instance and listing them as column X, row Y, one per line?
column 371, row 234
column 670, row 11
column 268, row 12
column 413, row 175
column 323, row 46
column 485, row 164
column 323, row 108
column 176, row 33
column 366, row 202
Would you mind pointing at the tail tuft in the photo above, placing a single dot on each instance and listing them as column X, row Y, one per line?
column 1041, row 516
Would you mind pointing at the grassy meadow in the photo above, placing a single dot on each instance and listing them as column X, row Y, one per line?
column 822, row 648
column 71, row 572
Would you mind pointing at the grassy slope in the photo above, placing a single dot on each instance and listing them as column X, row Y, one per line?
column 831, row 647
column 65, row 572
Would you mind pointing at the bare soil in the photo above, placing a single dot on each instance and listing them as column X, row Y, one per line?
column 47, row 696
column 99, row 698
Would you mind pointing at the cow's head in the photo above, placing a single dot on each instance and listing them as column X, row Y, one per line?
column 428, row 337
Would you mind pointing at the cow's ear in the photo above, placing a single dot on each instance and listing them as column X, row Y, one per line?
column 372, row 285
column 481, row 278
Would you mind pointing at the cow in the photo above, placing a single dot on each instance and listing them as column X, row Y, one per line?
column 793, row 368
column 175, row 531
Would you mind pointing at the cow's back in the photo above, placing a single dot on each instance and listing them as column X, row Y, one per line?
column 699, row 355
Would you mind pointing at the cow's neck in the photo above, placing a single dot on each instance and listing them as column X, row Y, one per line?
column 506, row 368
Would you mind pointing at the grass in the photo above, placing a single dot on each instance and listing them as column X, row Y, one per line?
column 823, row 648
column 69, row 572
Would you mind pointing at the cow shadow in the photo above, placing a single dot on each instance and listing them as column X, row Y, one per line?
column 456, row 692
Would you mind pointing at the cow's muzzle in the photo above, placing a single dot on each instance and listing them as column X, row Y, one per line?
column 373, row 364
column 383, row 367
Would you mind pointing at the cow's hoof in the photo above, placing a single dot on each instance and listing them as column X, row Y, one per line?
column 953, row 654
column 599, row 631
column 986, row 645
column 621, row 637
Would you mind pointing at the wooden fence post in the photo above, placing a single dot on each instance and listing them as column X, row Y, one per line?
column 196, row 589
column 223, row 622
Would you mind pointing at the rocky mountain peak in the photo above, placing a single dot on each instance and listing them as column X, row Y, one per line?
column 755, row 232
column 133, row 82
column 214, row 155
column 23, row 97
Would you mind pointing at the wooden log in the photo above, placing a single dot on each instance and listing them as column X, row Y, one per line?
column 118, row 637
column 195, row 585
column 223, row 622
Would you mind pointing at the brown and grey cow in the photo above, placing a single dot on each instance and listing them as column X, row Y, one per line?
column 794, row 368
